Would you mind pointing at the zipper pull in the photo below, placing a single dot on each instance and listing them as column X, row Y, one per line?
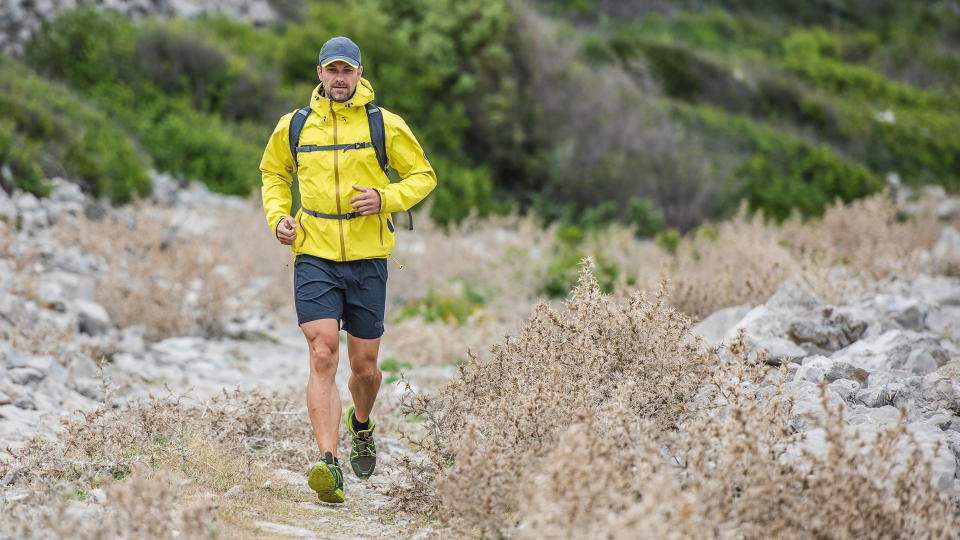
column 395, row 260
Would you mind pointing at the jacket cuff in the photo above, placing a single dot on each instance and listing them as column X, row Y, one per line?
column 383, row 202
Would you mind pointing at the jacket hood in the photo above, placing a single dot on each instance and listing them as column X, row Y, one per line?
column 362, row 96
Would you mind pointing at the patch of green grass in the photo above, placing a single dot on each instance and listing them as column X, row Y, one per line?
column 392, row 364
column 456, row 307
column 392, row 367
column 162, row 441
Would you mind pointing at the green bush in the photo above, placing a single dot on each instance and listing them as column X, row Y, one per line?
column 461, row 191
column 669, row 240
column 85, row 47
column 450, row 308
column 647, row 218
column 168, row 89
column 808, row 179
column 77, row 141
column 563, row 268
column 196, row 145
column 22, row 156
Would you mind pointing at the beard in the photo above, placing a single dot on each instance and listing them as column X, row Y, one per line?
column 339, row 94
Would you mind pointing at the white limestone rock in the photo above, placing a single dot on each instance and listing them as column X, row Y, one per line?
column 92, row 318
column 717, row 325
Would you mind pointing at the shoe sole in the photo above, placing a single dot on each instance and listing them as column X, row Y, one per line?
column 324, row 483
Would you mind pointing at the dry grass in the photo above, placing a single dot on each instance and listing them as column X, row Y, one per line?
column 607, row 418
column 164, row 464
column 175, row 282
column 584, row 422
column 744, row 260
column 510, row 408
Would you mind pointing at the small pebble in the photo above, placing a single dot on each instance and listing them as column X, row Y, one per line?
column 234, row 491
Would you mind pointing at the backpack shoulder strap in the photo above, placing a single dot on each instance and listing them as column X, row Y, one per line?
column 378, row 135
column 296, row 126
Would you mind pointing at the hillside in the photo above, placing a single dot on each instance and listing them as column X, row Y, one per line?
column 586, row 112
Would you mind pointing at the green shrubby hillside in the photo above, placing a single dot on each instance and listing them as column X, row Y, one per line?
column 48, row 130
column 585, row 112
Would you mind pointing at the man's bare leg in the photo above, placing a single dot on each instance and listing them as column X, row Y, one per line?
column 365, row 375
column 323, row 399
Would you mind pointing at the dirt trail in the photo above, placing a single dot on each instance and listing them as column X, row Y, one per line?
column 297, row 513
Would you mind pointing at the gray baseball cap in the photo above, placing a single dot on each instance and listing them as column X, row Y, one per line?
column 340, row 48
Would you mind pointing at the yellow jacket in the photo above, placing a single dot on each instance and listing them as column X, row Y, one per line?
column 326, row 178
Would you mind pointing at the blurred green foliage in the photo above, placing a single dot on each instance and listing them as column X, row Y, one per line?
column 455, row 307
column 603, row 111
column 47, row 130
column 563, row 269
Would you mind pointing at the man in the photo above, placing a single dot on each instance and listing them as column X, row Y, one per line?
column 341, row 236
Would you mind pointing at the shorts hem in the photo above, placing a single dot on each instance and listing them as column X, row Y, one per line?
column 310, row 318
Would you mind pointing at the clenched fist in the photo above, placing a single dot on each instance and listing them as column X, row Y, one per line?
column 367, row 202
column 287, row 230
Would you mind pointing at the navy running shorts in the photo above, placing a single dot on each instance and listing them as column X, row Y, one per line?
column 352, row 292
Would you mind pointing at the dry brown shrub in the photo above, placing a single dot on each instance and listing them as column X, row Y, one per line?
column 744, row 264
column 229, row 439
column 176, row 284
column 509, row 410
column 608, row 420
column 6, row 239
column 503, row 253
column 145, row 507
column 869, row 236
column 153, row 278
column 745, row 259
column 262, row 428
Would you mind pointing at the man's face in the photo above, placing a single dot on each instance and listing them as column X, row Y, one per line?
column 339, row 80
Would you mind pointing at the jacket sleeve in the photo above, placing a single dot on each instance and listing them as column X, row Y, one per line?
column 406, row 156
column 277, row 167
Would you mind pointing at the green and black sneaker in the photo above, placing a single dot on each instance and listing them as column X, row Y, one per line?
column 326, row 479
column 363, row 452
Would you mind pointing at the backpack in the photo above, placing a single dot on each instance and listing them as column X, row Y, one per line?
column 377, row 140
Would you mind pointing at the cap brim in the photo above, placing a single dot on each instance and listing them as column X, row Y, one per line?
column 342, row 59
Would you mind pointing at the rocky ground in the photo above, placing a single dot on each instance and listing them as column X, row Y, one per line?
column 879, row 354
column 61, row 353
column 893, row 347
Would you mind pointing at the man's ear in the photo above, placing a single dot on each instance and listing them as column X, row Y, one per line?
column 360, row 71
column 319, row 70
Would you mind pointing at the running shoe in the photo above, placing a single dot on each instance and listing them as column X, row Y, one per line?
column 326, row 478
column 363, row 452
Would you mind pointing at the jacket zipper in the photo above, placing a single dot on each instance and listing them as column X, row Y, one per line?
column 336, row 182
column 380, row 218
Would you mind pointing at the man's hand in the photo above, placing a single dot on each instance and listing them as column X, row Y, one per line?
column 367, row 202
column 287, row 230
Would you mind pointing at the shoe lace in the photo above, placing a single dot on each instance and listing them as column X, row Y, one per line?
column 364, row 446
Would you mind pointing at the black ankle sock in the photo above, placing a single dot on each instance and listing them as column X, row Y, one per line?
column 358, row 425
column 328, row 458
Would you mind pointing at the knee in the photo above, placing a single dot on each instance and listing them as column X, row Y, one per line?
column 323, row 360
column 366, row 368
